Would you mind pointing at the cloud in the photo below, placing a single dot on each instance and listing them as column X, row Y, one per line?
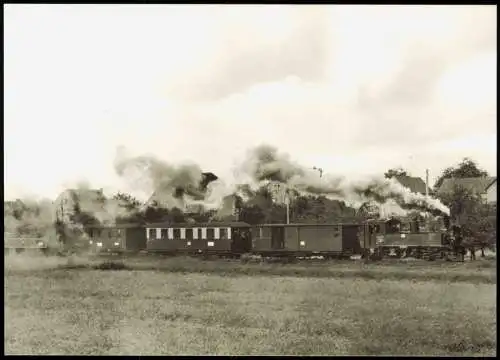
column 347, row 88
column 259, row 44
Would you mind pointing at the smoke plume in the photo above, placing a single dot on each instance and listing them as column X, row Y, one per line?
column 169, row 186
column 264, row 163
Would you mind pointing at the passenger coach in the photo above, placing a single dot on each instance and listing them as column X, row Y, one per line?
column 120, row 238
column 232, row 238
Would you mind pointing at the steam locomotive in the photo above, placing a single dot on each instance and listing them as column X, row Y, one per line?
column 390, row 238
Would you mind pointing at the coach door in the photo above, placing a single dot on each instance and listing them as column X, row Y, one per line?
column 278, row 237
column 370, row 232
column 367, row 235
column 241, row 240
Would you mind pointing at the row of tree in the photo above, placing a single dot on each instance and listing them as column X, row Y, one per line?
column 261, row 208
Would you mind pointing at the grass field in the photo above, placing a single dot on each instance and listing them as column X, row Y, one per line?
column 169, row 307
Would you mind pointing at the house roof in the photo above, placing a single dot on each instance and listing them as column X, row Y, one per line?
column 477, row 184
column 493, row 182
column 415, row 184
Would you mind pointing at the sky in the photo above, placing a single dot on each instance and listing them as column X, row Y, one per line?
column 354, row 90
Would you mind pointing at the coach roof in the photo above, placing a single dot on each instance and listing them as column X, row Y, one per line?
column 115, row 226
column 234, row 224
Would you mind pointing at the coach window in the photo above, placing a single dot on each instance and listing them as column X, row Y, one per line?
column 195, row 233
column 177, row 233
column 158, row 233
column 393, row 226
column 164, row 233
column 216, row 233
column 424, row 226
column 170, row 233
column 183, row 233
column 405, row 227
column 189, row 234
column 203, row 233
column 152, row 233
column 223, row 233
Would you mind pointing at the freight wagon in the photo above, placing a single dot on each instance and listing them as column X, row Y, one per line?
column 327, row 240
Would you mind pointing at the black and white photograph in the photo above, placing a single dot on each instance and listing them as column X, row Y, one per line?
column 250, row 179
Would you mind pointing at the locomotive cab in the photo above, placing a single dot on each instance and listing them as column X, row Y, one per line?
column 413, row 236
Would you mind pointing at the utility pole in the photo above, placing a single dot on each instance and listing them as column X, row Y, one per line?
column 287, row 203
column 285, row 199
column 319, row 169
column 427, row 195
column 427, row 184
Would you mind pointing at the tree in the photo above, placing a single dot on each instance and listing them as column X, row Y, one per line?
column 466, row 169
column 177, row 216
column 260, row 208
column 276, row 214
column 133, row 207
column 312, row 209
column 128, row 201
column 473, row 215
column 252, row 214
column 395, row 172
column 153, row 213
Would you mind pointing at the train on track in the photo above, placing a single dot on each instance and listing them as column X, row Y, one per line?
column 397, row 238
column 389, row 238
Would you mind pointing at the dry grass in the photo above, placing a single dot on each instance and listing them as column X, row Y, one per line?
column 480, row 271
column 149, row 312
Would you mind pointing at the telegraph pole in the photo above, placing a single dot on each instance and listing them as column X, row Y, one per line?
column 287, row 203
column 427, row 184
column 277, row 198
column 319, row 169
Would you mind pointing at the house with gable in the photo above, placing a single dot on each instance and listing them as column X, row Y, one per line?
column 65, row 203
column 485, row 186
column 414, row 184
